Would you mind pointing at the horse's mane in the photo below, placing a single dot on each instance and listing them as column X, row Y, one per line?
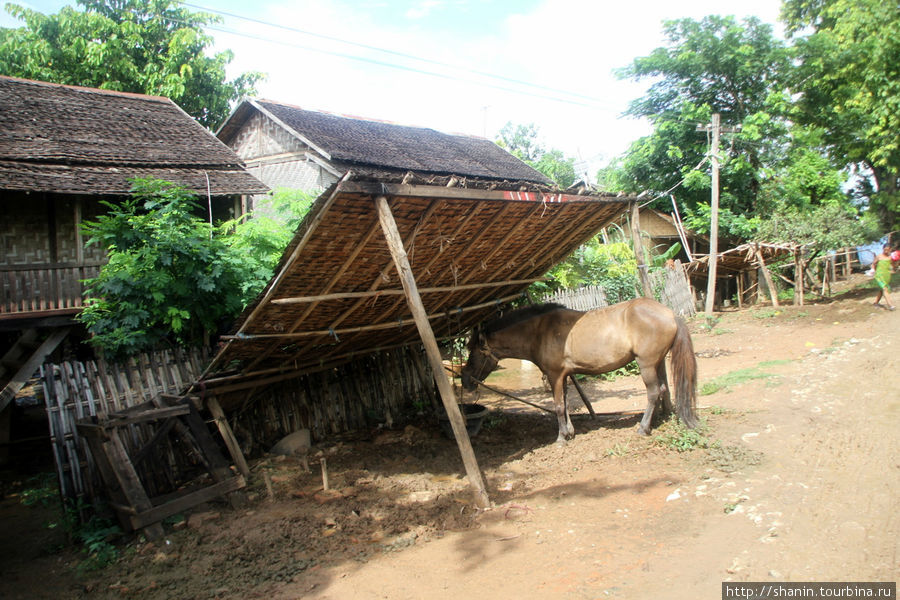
column 519, row 315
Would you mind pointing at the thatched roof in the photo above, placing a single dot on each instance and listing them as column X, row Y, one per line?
column 379, row 148
column 66, row 139
column 742, row 258
column 337, row 294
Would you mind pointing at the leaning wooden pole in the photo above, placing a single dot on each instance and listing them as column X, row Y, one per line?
column 773, row 294
column 639, row 249
column 398, row 252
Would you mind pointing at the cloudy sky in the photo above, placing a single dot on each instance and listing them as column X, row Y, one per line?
column 460, row 66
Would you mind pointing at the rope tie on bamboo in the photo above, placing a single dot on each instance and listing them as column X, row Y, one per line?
column 333, row 334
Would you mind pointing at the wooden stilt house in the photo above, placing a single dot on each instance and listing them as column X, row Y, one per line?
column 62, row 150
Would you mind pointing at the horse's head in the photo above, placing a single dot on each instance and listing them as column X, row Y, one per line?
column 481, row 360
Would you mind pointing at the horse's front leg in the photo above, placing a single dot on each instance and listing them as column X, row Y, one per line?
column 566, row 429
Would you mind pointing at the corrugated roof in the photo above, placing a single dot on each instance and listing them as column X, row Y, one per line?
column 337, row 294
column 52, row 135
column 359, row 144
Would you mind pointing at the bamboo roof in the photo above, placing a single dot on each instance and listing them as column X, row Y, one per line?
column 337, row 295
column 75, row 140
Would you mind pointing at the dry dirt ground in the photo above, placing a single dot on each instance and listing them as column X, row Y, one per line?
column 797, row 481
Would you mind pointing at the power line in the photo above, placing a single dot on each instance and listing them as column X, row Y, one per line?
column 568, row 97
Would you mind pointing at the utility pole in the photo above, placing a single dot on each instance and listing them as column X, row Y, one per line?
column 716, row 129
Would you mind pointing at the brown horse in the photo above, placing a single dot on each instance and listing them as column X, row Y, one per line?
column 563, row 342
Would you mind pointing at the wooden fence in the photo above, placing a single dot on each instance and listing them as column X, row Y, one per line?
column 670, row 286
column 76, row 390
column 374, row 389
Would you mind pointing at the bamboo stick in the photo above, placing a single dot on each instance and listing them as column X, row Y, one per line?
column 376, row 293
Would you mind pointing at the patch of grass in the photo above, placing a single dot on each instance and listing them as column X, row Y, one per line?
column 729, row 380
column 675, row 436
column 618, row 449
column 721, row 331
column 718, row 410
column 42, row 490
column 765, row 313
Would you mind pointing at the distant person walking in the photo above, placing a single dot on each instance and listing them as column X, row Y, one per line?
column 883, row 269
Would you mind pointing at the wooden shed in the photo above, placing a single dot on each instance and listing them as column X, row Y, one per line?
column 380, row 264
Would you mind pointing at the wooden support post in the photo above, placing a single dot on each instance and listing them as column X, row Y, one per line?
column 234, row 449
column 798, row 278
column 401, row 261
column 767, row 276
column 639, row 249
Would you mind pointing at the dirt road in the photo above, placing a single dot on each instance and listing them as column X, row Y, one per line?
column 797, row 482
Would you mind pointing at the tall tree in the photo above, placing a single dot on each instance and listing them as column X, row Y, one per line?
column 152, row 47
column 707, row 66
column 848, row 83
column 522, row 141
column 737, row 69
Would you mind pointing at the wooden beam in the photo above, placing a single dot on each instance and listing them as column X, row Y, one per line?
column 31, row 365
column 639, row 249
column 455, row 193
column 358, row 329
column 767, row 276
column 228, row 435
column 376, row 293
column 398, row 252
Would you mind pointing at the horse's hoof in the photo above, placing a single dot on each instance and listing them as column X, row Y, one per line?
column 561, row 442
column 642, row 431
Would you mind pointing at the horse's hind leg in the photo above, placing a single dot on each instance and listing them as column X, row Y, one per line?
column 566, row 429
column 651, row 381
column 664, row 391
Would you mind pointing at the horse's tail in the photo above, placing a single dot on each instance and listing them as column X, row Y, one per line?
column 684, row 375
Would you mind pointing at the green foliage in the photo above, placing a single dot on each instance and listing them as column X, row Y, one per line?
column 675, row 436
column 611, row 266
column 261, row 240
column 821, row 228
column 168, row 278
column 42, row 490
column 152, row 47
column 848, row 84
column 95, row 537
column 712, row 65
column 522, row 142
column 741, row 376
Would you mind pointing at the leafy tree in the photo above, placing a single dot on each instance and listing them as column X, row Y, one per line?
column 707, row 66
column 261, row 239
column 848, row 81
column 145, row 46
column 821, row 228
column 167, row 280
column 522, row 141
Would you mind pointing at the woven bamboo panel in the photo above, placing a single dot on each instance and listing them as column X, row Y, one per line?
column 471, row 251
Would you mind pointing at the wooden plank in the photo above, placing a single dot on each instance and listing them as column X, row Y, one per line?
column 398, row 252
column 639, row 249
column 190, row 500
column 457, row 193
column 228, row 435
column 375, row 293
column 31, row 366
